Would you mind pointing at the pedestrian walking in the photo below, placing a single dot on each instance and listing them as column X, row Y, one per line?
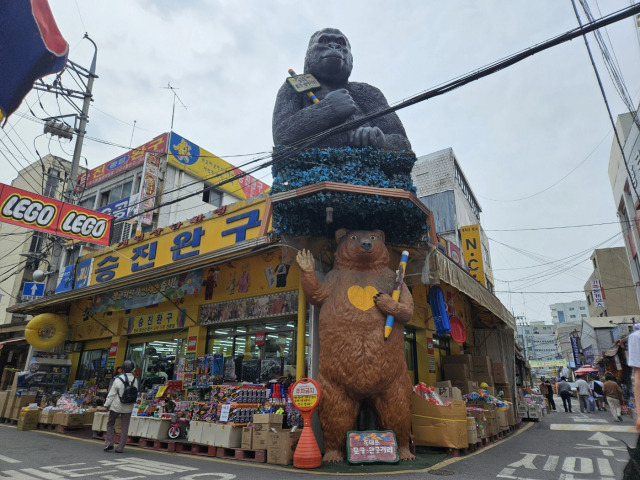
column 564, row 390
column 613, row 393
column 584, row 392
column 596, row 388
column 546, row 389
column 120, row 400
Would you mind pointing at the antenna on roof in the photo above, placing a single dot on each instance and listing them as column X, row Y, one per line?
column 175, row 96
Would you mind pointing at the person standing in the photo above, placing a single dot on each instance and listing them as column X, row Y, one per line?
column 120, row 405
column 633, row 360
column 613, row 392
column 584, row 392
column 564, row 390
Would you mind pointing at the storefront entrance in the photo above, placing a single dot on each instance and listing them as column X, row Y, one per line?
column 156, row 357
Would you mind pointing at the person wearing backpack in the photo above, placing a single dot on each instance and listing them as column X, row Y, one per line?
column 120, row 400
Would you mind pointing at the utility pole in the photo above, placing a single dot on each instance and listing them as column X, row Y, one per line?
column 86, row 95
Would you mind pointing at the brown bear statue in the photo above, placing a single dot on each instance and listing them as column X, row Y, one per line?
column 357, row 366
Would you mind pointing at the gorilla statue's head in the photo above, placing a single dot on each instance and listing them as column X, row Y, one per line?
column 329, row 57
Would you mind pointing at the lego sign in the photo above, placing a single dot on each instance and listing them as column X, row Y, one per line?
column 36, row 212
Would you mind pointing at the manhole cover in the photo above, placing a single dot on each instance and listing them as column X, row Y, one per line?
column 442, row 473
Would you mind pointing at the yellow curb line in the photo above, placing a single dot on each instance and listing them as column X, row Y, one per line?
column 237, row 463
column 449, row 461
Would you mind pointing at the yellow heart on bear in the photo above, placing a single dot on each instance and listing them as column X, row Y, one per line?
column 361, row 298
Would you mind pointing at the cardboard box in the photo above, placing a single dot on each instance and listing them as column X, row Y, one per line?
column 482, row 377
column 466, row 386
column 453, row 393
column 499, row 372
column 99, row 423
column 28, row 420
column 435, row 426
column 490, row 423
column 464, row 359
column 443, row 384
column 511, row 415
column 4, row 400
column 501, row 417
column 275, row 418
column 472, row 436
column 228, row 436
column 282, row 445
column 208, row 435
column 195, row 431
column 261, row 434
column 46, row 415
column 506, row 389
column 133, row 426
column 157, row 428
column 481, row 362
column 456, row 372
column 19, row 402
column 247, row 438
column 68, row 419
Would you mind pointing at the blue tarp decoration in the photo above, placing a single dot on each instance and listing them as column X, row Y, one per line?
column 439, row 310
column 31, row 47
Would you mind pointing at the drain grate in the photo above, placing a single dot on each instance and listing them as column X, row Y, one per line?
column 442, row 473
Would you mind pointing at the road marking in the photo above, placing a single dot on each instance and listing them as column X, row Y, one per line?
column 8, row 460
column 594, row 428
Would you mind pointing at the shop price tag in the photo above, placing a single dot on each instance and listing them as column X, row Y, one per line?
column 224, row 412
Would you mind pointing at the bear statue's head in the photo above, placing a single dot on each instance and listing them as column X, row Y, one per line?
column 361, row 250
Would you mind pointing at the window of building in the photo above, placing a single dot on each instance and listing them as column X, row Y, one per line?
column 88, row 202
column 116, row 193
column 582, row 308
column 589, row 298
column 104, row 199
column 595, row 264
column 410, row 354
column 212, row 197
column 571, row 308
column 53, row 179
column 572, row 316
column 92, row 364
column 584, row 315
column 259, row 352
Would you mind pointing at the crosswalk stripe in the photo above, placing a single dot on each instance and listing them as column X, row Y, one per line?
column 8, row 460
column 593, row 428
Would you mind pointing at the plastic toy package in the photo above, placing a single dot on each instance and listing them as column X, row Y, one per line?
column 429, row 394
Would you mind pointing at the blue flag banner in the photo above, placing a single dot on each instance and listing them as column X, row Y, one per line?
column 31, row 47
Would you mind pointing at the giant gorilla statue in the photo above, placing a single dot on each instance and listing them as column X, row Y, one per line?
column 296, row 117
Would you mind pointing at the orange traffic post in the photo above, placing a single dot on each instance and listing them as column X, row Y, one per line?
column 305, row 395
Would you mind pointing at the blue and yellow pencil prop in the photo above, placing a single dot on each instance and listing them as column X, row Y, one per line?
column 388, row 326
column 310, row 94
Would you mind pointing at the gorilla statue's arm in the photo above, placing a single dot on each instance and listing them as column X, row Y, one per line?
column 292, row 121
column 370, row 99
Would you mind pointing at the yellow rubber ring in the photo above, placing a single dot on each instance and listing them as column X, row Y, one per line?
column 46, row 331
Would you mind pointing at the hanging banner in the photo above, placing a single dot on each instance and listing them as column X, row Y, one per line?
column 598, row 296
column 150, row 174
column 36, row 212
column 472, row 250
column 171, row 288
column 576, row 351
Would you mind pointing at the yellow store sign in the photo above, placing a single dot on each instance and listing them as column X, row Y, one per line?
column 242, row 221
column 154, row 322
column 472, row 250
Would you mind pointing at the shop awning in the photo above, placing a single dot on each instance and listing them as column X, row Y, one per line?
column 12, row 341
column 491, row 311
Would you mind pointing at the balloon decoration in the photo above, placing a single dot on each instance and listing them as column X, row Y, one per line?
column 46, row 331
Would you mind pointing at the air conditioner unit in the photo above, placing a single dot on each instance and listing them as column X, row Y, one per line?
column 123, row 231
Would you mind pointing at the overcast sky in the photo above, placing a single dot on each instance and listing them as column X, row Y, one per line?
column 533, row 140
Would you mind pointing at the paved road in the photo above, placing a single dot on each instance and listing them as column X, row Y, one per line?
column 560, row 446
